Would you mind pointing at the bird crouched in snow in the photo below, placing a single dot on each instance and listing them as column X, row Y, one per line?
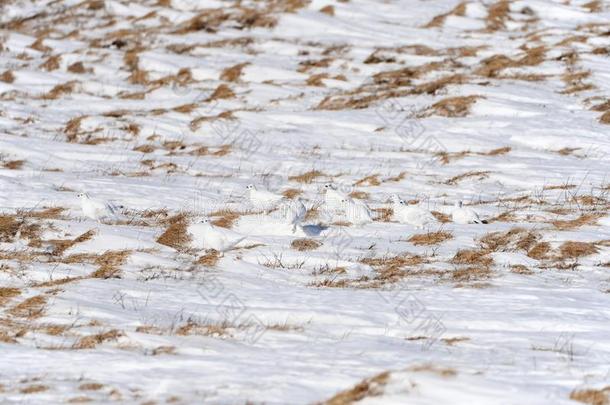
column 333, row 199
column 208, row 236
column 263, row 199
column 410, row 214
column 97, row 209
column 293, row 212
column 356, row 212
column 465, row 215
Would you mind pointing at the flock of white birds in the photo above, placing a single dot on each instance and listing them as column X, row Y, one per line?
column 336, row 206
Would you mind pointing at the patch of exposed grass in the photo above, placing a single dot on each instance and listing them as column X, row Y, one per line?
column 305, row 244
column 430, row 238
column 573, row 250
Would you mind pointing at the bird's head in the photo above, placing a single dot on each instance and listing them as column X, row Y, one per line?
column 395, row 199
column 205, row 220
column 83, row 196
column 250, row 187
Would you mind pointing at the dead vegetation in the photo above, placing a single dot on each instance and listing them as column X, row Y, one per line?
column 592, row 396
column 92, row 341
column 303, row 245
column 453, row 107
column 307, row 177
column 582, row 220
column 60, row 246
column 32, row 307
column 430, row 238
column 176, row 235
column 573, row 250
column 109, row 264
column 369, row 387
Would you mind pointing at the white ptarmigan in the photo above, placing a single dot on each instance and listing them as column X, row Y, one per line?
column 333, row 199
column 356, row 212
column 207, row 236
column 465, row 215
column 263, row 199
column 293, row 212
column 97, row 209
column 410, row 214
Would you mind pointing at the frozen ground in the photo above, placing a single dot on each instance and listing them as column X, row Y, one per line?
column 171, row 108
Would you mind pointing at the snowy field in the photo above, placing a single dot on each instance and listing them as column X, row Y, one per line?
column 160, row 113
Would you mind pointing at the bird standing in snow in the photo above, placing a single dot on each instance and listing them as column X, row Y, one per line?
column 333, row 199
column 293, row 212
column 208, row 236
column 356, row 212
column 465, row 215
column 97, row 209
column 410, row 214
column 263, row 199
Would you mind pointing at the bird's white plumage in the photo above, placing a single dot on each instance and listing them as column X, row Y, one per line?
column 263, row 199
column 293, row 212
column 207, row 236
column 356, row 212
column 333, row 199
column 465, row 215
column 97, row 209
column 411, row 214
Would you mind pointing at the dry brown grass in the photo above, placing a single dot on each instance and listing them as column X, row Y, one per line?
column 176, row 235
column 7, row 77
column 292, row 193
column 539, row 251
column 384, row 214
column 369, row 387
column 222, row 92
column 61, row 89
column 60, row 246
column 328, row 10
column 456, row 179
column 594, row 6
column 6, row 293
column 91, row 341
column 441, row 217
column 227, row 218
column 90, row 387
column 452, row 341
column 307, row 177
column 13, row 164
column 512, row 240
column 33, row 389
column 109, row 264
column 371, row 180
column 12, row 226
column 472, row 257
column 439, row 20
column 213, row 329
column 605, row 118
column 78, row 68
column 232, row 74
column 471, row 273
column 305, row 244
column 592, row 396
column 520, row 269
column 497, row 15
column 453, row 107
column 51, row 64
column 359, row 195
column 430, row 238
column 573, row 250
column 390, row 269
column 584, row 219
column 32, row 307
column 210, row 259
